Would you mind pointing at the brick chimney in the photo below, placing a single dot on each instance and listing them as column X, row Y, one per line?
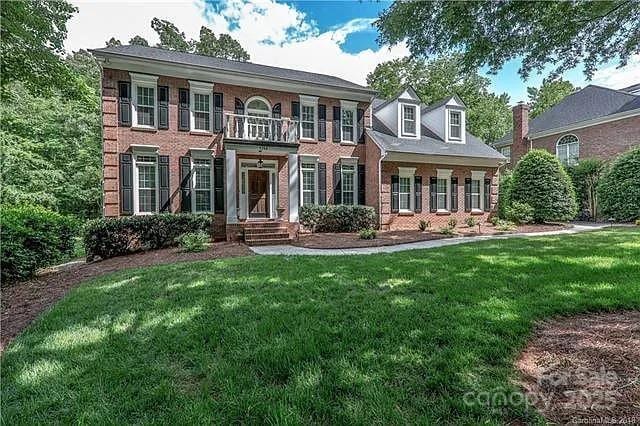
column 520, row 131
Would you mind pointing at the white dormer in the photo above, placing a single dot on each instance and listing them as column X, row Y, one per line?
column 447, row 119
column 409, row 114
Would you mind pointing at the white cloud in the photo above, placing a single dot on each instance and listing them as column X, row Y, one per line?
column 618, row 78
column 273, row 33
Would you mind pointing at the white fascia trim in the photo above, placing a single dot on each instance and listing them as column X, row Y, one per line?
column 451, row 160
column 586, row 123
column 417, row 116
column 230, row 77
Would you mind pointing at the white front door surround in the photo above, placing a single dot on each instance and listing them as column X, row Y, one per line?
column 252, row 164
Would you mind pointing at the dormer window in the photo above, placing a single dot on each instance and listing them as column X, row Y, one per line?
column 409, row 120
column 455, row 124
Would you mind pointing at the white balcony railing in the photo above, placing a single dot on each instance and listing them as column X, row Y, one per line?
column 261, row 129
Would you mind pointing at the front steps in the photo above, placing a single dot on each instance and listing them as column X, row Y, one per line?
column 266, row 233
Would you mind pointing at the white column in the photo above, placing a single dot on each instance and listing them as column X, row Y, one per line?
column 231, row 186
column 294, row 188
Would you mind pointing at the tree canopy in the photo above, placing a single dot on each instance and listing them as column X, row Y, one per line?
column 550, row 93
column 488, row 114
column 490, row 33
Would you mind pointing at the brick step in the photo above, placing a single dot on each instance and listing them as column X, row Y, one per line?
column 268, row 241
column 269, row 224
column 269, row 230
column 273, row 235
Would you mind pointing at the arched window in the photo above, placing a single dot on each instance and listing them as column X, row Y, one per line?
column 568, row 149
column 258, row 106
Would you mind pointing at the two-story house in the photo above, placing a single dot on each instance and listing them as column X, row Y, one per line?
column 251, row 144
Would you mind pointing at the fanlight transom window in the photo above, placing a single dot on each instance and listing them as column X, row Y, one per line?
column 568, row 149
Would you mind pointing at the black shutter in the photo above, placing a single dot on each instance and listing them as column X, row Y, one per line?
column 322, row 184
column 238, row 125
column 126, row 184
column 336, row 124
column 433, row 194
column 124, row 103
column 454, row 194
column 276, row 111
column 467, row 194
column 185, row 184
column 360, row 125
column 361, row 185
column 322, row 122
column 337, row 184
column 163, row 107
column 217, row 112
column 218, row 184
column 163, row 172
column 295, row 115
column 276, row 125
column 184, row 116
column 417, row 190
column 487, row 195
column 395, row 193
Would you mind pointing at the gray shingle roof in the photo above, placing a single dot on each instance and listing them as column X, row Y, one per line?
column 590, row 103
column 170, row 56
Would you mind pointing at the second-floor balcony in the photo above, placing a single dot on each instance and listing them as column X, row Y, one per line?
column 260, row 129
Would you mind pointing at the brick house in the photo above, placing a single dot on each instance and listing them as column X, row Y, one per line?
column 595, row 122
column 251, row 144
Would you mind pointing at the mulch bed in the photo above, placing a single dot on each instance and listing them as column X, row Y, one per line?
column 22, row 302
column 585, row 369
column 390, row 238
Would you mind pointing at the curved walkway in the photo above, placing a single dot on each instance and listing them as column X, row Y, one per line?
column 295, row 251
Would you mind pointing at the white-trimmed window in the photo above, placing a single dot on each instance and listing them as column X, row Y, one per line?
column 443, row 189
column 146, row 184
column 202, row 185
column 348, row 121
column 506, row 151
column 348, row 180
column 406, row 180
column 145, row 105
column 309, row 182
column 308, row 116
column 455, row 125
column 409, row 120
column 201, row 105
column 568, row 149
column 477, row 190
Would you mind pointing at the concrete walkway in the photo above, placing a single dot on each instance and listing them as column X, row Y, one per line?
column 295, row 251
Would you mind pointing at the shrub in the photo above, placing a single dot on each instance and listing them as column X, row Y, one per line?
column 424, row 225
column 33, row 237
column 446, row 230
column 471, row 221
column 494, row 220
column 107, row 238
column 619, row 189
column 520, row 213
column 367, row 234
column 585, row 177
column 338, row 218
column 637, row 222
column 452, row 222
column 540, row 181
column 504, row 225
column 504, row 193
column 194, row 241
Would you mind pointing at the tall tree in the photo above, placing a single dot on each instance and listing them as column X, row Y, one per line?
column 223, row 46
column 491, row 33
column 171, row 37
column 139, row 41
column 488, row 115
column 31, row 39
column 550, row 93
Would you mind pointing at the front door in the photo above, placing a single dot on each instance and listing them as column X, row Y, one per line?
column 258, row 193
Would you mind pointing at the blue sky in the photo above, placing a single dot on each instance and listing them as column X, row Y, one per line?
column 332, row 37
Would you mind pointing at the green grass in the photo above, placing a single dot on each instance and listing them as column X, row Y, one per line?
column 366, row 339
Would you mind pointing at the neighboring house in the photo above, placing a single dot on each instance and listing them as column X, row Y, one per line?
column 595, row 122
column 252, row 143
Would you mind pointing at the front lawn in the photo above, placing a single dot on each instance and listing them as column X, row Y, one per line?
column 365, row 339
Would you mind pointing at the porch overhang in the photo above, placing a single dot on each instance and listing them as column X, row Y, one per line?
column 451, row 160
column 270, row 148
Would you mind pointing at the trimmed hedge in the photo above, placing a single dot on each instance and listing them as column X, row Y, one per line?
column 338, row 218
column 105, row 238
column 540, row 181
column 33, row 237
column 585, row 177
column 619, row 188
column 504, row 193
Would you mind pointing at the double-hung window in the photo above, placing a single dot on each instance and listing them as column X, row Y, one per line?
column 455, row 124
column 147, row 183
column 145, row 105
column 441, row 194
column 308, row 116
column 405, row 193
column 201, row 106
column 202, row 186
column 506, row 151
column 348, row 121
column 408, row 120
column 568, row 150
column 475, row 194
column 348, row 180
column 309, row 191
